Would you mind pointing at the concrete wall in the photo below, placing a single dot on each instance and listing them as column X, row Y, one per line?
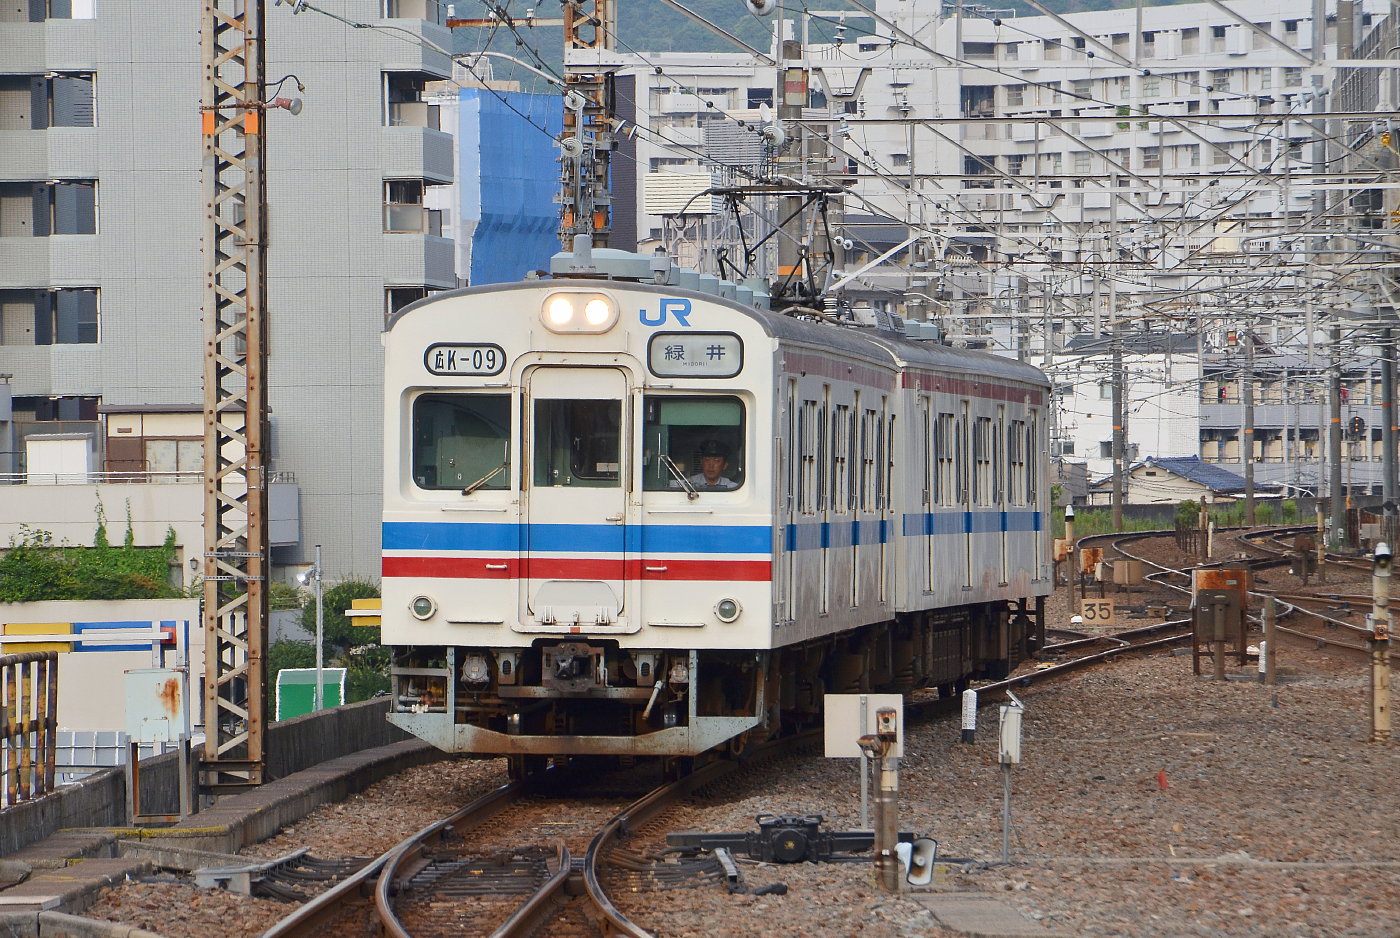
column 69, row 513
column 100, row 800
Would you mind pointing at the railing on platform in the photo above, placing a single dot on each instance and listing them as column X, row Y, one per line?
column 28, row 724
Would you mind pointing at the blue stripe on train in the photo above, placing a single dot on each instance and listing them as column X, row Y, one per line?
column 578, row 538
column 691, row 539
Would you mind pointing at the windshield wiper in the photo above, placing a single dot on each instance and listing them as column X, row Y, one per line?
column 671, row 467
column 505, row 463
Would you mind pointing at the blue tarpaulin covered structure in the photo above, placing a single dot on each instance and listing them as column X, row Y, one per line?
column 509, row 175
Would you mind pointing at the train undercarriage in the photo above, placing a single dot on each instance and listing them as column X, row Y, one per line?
column 579, row 695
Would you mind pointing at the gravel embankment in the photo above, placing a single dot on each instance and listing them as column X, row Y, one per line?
column 1278, row 817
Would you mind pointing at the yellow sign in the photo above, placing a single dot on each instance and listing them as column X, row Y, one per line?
column 365, row 612
column 47, row 629
column 1097, row 611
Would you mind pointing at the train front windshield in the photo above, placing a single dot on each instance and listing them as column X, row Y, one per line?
column 464, row 441
column 692, row 437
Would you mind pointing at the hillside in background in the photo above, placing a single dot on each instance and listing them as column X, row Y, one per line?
column 646, row 26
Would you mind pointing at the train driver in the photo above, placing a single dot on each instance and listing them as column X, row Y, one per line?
column 714, row 460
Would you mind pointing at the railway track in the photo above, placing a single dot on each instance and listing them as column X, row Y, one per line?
column 1328, row 625
column 1322, row 617
column 531, row 857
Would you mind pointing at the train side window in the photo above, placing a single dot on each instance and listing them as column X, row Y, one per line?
column 461, row 441
column 576, row 443
column 700, row 437
column 946, row 485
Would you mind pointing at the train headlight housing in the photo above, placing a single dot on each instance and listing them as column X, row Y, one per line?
column 727, row 610
column 578, row 312
column 422, row 607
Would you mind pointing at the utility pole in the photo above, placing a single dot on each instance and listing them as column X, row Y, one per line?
column 1247, row 395
column 235, row 401
column 1388, row 431
column 1334, row 438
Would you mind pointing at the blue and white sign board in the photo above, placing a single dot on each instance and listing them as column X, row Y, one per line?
column 296, row 690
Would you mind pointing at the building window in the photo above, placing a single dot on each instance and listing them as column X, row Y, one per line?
column 1292, row 78
column 403, row 101
column 1151, row 157
column 979, row 50
column 757, row 96
column 66, row 316
column 430, row 10
column 1083, row 87
column 1081, row 161
column 1151, row 86
column 40, row 209
column 1105, row 449
column 40, row 10
column 1190, row 41
column 1220, row 80
column 1015, row 95
column 1015, row 164
column 1106, row 390
column 404, row 211
column 396, row 298
column 978, row 100
column 65, row 100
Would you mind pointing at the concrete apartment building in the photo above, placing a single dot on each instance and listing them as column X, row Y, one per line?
column 1067, row 172
column 101, row 276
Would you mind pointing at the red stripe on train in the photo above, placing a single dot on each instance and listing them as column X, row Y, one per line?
column 484, row 568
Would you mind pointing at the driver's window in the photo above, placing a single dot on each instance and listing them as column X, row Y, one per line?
column 461, row 440
column 693, row 442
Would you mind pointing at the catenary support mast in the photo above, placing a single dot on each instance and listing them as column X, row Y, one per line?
column 235, row 406
column 588, row 140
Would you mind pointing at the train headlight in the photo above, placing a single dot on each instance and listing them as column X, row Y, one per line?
column 578, row 312
column 727, row 610
column 559, row 311
column 422, row 607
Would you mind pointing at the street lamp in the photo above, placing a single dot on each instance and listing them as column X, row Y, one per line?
column 314, row 574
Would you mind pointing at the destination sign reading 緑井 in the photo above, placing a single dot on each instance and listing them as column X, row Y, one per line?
column 695, row 355
column 455, row 360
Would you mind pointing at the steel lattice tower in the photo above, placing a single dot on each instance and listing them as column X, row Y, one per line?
column 235, row 405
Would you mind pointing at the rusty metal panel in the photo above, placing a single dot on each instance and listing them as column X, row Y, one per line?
column 157, row 705
column 1089, row 560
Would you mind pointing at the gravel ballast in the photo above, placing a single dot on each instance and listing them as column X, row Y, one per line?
column 1149, row 802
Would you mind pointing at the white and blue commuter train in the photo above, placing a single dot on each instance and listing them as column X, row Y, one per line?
column 636, row 518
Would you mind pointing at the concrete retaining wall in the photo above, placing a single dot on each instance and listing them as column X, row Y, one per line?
column 100, row 800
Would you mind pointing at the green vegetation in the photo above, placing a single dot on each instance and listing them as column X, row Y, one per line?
column 1090, row 521
column 354, row 647
column 36, row 568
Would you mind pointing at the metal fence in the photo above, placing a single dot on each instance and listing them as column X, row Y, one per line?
column 28, row 724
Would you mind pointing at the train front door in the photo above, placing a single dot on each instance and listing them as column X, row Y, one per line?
column 575, row 550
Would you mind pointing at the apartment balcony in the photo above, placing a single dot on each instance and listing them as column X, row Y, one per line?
column 35, row 263
column 424, row 259
column 24, row 262
column 63, row 152
column 411, row 152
